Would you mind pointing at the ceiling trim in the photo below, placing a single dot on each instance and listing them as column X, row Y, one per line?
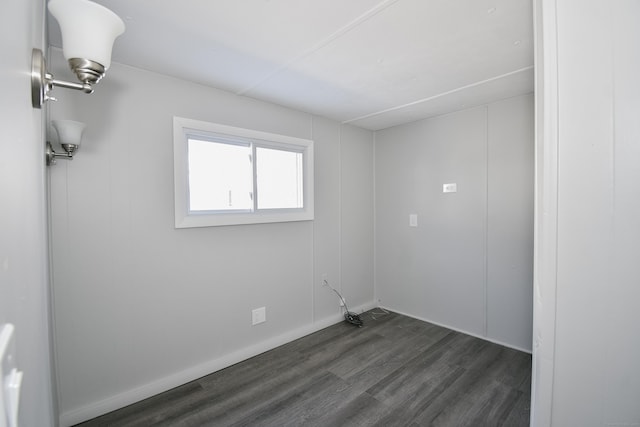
column 440, row 95
column 324, row 42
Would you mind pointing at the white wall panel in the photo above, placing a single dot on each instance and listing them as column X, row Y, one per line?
column 140, row 306
column 435, row 271
column 356, row 221
column 510, row 221
column 326, row 226
column 594, row 370
column 468, row 263
column 24, row 266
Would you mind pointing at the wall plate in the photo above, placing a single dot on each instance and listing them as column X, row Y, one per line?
column 450, row 188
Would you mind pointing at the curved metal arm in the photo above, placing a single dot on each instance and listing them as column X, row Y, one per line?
column 43, row 82
column 52, row 156
column 85, row 87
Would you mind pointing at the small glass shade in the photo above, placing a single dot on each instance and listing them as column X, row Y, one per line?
column 69, row 131
column 88, row 29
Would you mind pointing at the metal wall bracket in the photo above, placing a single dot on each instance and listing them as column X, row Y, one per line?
column 52, row 156
column 43, row 82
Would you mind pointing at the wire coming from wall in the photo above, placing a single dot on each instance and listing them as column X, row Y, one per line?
column 349, row 316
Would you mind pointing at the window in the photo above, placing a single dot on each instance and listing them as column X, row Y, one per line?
column 225, row 175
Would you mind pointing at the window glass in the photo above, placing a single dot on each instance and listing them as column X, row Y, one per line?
column 279, row 179
column 220, row 176
column 226, row 176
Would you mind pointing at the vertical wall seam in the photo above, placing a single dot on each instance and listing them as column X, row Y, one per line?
column 556, row 188
column 54, row 375
column 375, row 221
column 486, row 227
column 609, row 347
column 313, row 241
column 340, row 207
column 613, row 120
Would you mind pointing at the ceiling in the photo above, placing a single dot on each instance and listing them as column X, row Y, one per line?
column 371, row 63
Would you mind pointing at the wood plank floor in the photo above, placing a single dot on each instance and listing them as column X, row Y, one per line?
column 394, row 371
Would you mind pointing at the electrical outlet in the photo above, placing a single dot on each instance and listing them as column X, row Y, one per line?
column 324, row 279
column 259, row 315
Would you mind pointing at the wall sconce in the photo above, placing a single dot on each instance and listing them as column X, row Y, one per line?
column 88, row 33
column 69, row 136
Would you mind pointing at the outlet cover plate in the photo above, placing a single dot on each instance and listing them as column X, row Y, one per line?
column 259, row 315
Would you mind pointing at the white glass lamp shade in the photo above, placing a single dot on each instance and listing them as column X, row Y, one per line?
column 88, row 29
column 69, row 131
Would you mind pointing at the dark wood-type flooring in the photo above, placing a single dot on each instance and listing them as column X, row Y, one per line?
column 394, row 371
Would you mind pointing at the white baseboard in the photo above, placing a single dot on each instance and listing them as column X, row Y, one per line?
column 504, row 344
column 128, row 397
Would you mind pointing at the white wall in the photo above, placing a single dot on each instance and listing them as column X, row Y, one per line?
column 586, row 357
column 24, row 291
column 140, row 306
column 468, row 264
column 510, row 185
column 356, row 214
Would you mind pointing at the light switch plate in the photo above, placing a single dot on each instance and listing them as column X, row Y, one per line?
column 413, row 220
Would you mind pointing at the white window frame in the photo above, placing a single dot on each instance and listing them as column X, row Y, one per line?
column 184, row 128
